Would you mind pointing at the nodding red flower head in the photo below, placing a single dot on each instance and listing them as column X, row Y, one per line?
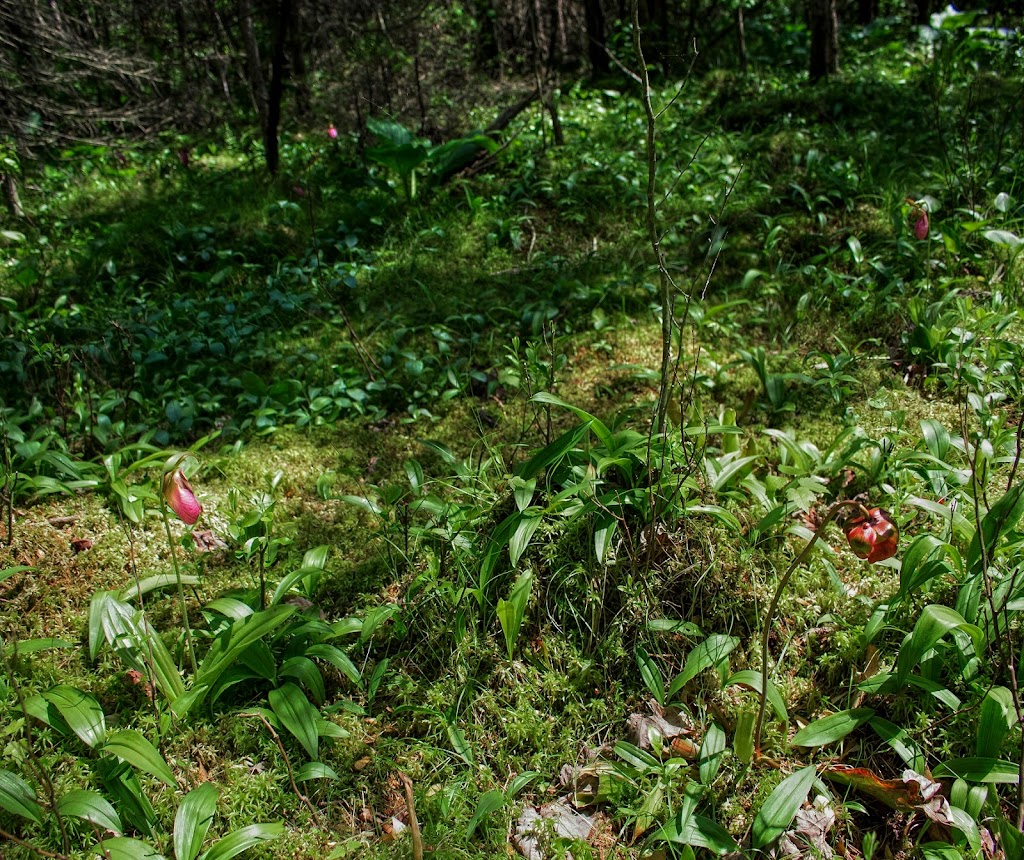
column 180, row 498
column 332, row 132
column 298, row 191
column 872, row 535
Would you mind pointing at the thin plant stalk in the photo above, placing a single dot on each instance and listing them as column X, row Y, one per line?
column 770, row 614
column 181, row 588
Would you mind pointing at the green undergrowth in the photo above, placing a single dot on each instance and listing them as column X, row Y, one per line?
column 421, row 436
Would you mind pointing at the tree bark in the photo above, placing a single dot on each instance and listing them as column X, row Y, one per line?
column 824, row 39
column 741, row 38
column 596, row 25
column 271, row 144
column 257, row 84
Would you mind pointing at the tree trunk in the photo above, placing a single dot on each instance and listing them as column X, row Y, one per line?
column 257, row 84
column 271, row 145
column 741, row 38
column 824, row 39
column 596, row 34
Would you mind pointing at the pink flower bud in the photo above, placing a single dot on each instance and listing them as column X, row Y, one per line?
column 332, row 132
column 180, row 498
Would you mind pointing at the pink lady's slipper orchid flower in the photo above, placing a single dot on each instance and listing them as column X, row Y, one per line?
column 919, row 219
column 180, row 498
column 332, row 132
column 872, row 535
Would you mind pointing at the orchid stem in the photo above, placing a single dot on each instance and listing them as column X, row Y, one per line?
column 770, row 615
column 181, row 589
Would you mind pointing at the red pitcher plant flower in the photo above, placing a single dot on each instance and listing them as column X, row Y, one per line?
column 871, row 534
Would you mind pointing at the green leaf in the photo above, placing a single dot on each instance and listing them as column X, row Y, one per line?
column 18, row 798
column 650, row 674
column 130, row 746
column 240, row 840
column 192, row 821
column 998, row 716
column 526, row 525
column 33, row 646
column 298, row 716
column 81, row 712
column 751, row 678
column 336, row 657
column 601, row 431
column 711, row 751
column 1003, row 516
column 314, row 770
column 489, row 802
column 830, row 729
column 935, row 622
column 698, row 830
column 152, row 583
column 781, row 807
column 978, row 769
column 553, row 452
column 90, row 806
column 711, row 651
column 126, row 848
column 1003, row 237
column 900, row 741
column 459, row 743
column 743, row 738
column 510, row 612
column 230, row 644
column 8, row 572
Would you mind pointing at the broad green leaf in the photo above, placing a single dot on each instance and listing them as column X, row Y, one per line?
column 459, row 743
column 1003, row 516
column 337, row 658
column 978, row 769
column 90, row 806
column 998, row 716
column 126, row 848
column 298, row 716
column 8, row 572
column 743, row 739
column 689, row 829
column 900, row 741
column 489, row 802
column 240, row 840
column 935, row 622
column 650, row 674
column 526, row 525
column 18, row 798
column 711, row 651
column 33, row 646
column 314, row 770
column 940, row 851
column 81, row 712
column 601, row 431
column 751, row 678
column 305, row 671
column 711, row 751
column 192, row 821
column 152, row 583
column 130, row 746
column 830, row 729
column 885, row 682
column 553, row 452
column 1003, row 237
column 230, row 644
column 781, row 807
column 604, row 533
